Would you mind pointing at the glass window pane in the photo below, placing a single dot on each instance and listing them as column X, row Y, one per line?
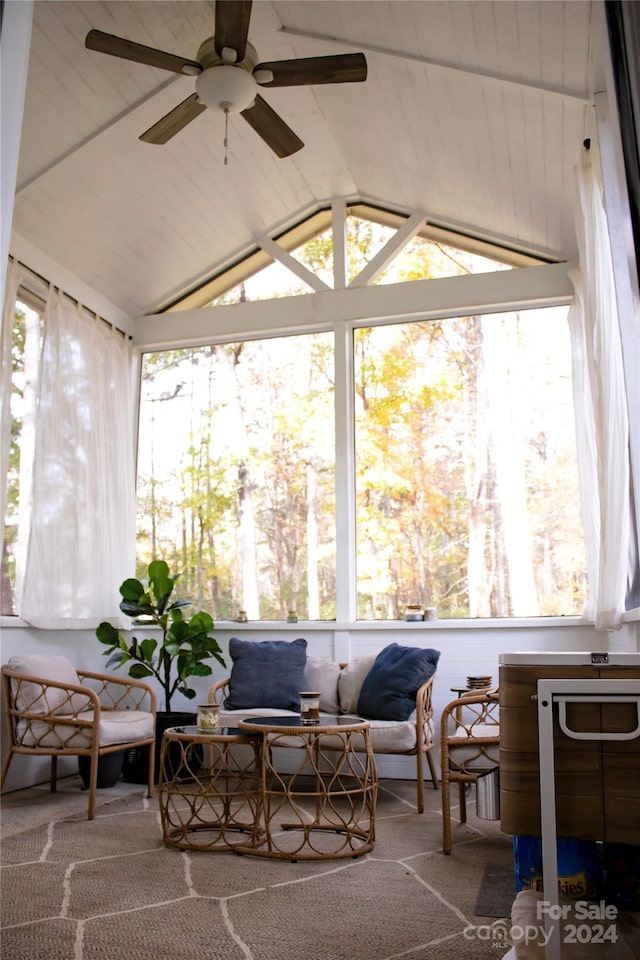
column 25, row 361
column 426, row 259
column 466, row 474
column 236, row 474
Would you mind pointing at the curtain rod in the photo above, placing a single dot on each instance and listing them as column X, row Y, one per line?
column 83, row 306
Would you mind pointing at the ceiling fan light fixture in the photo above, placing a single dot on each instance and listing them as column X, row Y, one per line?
column 225, row 87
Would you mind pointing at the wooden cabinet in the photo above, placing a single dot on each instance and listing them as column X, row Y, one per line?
column 597, row 781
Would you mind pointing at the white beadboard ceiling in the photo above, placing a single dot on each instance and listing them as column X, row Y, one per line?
column 473, row 113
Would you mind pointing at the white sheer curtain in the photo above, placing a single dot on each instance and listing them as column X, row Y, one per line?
column 81, row 540
column 600, row 408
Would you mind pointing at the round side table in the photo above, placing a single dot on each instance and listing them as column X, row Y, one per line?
column 214, row 804
column 325, row 809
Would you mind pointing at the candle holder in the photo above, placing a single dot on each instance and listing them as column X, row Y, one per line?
column 309, row 707
column 208, row 717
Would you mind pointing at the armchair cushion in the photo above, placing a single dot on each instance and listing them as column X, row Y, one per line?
column 389, row 689
column 268, row 673
column 116, row 726
column 32, row 698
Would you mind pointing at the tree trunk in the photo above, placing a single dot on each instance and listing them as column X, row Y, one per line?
column 313, row 593
column 476, row 472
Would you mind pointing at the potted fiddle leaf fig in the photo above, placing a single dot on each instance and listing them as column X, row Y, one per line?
column 184, row 647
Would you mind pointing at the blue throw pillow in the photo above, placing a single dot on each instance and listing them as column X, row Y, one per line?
column 269, row 673
column 389, row 690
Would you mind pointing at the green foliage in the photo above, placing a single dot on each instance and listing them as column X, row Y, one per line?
column 185, row 645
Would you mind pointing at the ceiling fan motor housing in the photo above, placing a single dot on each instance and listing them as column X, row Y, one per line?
column 208, row 56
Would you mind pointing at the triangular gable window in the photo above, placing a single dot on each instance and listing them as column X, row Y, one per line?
column 382, row 247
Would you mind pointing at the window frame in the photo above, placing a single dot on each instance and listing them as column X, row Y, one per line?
column 521, row 289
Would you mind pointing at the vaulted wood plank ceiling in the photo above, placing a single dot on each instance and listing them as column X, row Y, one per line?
column 473, row 113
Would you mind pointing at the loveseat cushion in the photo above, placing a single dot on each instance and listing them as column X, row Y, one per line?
column 393, row 736
column 267, row 673
column 322, row 674
column 351, row 679
column 389, row 689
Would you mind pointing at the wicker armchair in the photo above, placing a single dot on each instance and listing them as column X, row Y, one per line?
column 469, row 746
column 53, row 710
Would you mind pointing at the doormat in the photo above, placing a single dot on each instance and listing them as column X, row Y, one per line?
column 497, row 891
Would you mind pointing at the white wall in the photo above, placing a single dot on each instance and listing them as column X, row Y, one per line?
column 467, row 649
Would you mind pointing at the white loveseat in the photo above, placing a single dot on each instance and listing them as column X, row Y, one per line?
column 339, row 686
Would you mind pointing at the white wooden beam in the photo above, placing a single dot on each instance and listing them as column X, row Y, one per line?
column 339, row 232
column 276, row 251
column 440, row 65
column 390, row 250
column 389, row 303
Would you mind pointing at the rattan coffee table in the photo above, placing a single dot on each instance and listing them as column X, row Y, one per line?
column 325, row 809
column 208, row 789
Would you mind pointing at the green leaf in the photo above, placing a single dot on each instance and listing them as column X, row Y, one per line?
column 179, row 603
column 171, row 646
column 138, row 608
column 138, row 671
column 158, row 569
column 147, row 648
column 179, row 631
column 161, row 583
column 202, row 620
column 200, row 670
column 132, row 590
column 107, row 633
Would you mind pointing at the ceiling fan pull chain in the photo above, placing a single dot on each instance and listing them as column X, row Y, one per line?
column 226, row 137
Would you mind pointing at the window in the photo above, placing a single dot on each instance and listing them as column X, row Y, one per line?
column 465, row 471
column 236, row 474
column 466, row 477
column 25, row 360
column 436, row 251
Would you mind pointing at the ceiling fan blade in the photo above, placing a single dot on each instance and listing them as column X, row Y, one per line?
column 272, row 128
column 340, row 68
column 232, row 26
column 128, row 50
column 174, row 121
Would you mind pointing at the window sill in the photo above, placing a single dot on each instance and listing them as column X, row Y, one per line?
column 502, row 623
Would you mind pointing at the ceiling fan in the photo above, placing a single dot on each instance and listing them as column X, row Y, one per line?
column 228, row 76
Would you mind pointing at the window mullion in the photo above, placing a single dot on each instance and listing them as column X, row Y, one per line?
column 345, row 475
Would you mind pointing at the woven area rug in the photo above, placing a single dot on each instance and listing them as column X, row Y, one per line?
column 108, row 889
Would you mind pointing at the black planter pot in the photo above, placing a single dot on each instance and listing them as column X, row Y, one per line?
column 109, row 769
column 136, row 760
